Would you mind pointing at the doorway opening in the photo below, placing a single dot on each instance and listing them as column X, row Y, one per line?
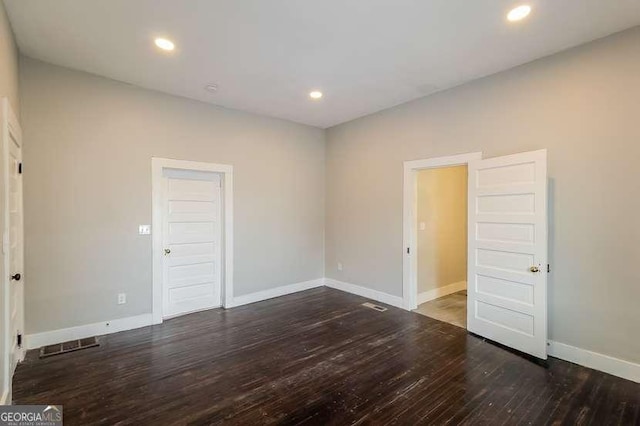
column 412, row 294
column 506, row 246
column 441, row 253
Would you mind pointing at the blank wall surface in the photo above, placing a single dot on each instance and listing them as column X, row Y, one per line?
column 442, row 244
column 583, row 106
column 88, row 149
column 8, row 62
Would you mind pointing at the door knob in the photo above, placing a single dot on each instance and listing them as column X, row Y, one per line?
column 16, row 277
column 167, row 251
column 534, row 269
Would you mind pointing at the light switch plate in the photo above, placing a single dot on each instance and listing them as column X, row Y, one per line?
column 423, row 226
column 144, row 229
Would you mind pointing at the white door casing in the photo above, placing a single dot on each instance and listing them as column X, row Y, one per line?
column 12, row 243
column 192, row 262
column 187, row 219
column 507, row 244
column 410, row 214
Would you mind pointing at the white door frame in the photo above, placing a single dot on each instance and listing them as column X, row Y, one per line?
column 9, row 125
column 226, row 172
column 409, row 229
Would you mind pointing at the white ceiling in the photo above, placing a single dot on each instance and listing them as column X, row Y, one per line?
column 266, row 55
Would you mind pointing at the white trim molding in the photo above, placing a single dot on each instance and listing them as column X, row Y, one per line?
column 4, row 398
column 605, row 363
column 436, row 293
column 409, row 228
column 275, row 292
column 45, row 338
column 369, row 293
column 226, row 172
column 608, row 364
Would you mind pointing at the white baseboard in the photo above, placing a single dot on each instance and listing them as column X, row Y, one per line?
column 38, row 340
column 617, row 367
column 608, row 364
column 275, row 292
column 45, row 338
column 441, row 291
column 379, row 296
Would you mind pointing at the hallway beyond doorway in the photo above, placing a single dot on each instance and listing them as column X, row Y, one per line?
column 451, row 309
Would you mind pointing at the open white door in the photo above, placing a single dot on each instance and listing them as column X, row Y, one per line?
column 507, row 271
column 12, row 246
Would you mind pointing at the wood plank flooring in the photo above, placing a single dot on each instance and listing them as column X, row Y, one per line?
column 316, row 357
column 451, row 309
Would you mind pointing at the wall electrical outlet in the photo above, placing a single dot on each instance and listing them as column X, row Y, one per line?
column 122, row 298
column 339, row 266
column 144, row 229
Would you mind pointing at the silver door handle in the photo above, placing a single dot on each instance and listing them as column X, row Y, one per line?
column 167, row 251
column 534, row 269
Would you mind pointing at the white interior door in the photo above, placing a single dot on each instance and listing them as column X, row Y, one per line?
column 12, row 243
column 507, row 271
column 192, row 266
column 16, row 287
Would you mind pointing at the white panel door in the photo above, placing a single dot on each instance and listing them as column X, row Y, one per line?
column 507, row 271
column 16, row 285
column 192, row 242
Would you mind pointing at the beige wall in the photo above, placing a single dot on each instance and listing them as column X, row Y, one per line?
column 583, row 105
column 88, row 148
column 8, row 62
column 442, row 245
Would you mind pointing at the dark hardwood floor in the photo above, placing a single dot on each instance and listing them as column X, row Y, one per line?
column 316, row 357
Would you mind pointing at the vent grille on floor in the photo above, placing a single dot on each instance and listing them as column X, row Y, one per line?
column 70, row 346
column 372, row 306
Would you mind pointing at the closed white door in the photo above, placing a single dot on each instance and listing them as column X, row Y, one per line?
column 507, row 271
column 192, row 242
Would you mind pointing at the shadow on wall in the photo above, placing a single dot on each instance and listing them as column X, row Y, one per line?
column 551, row 193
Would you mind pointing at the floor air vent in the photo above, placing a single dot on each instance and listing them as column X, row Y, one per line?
column 372, row 306
column 70, row 346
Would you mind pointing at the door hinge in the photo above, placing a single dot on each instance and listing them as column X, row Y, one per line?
column 548, row 268
column 19, row 340
column 19, row 168
column 408, row 250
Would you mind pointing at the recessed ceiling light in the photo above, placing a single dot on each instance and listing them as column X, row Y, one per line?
column 316, row 94
column 211, row 88
column 165, row 44
column 519, row 13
